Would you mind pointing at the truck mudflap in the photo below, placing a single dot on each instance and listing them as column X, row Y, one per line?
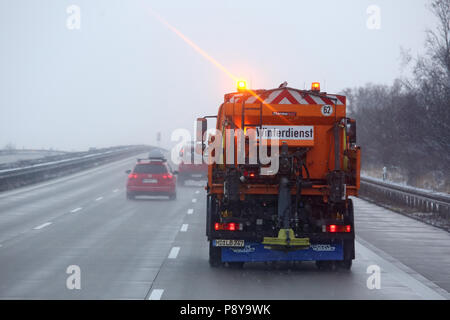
column 258, row 252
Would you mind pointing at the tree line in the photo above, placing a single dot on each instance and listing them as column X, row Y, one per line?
column 407, row 124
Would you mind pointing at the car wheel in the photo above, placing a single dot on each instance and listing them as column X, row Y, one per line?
column 130, row 196
column 173, row 196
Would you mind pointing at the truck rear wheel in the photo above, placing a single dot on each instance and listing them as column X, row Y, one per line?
column 236, row 265
column 346, row 264
column 334, row 265
column 215, row 256
column 326, row 265
column 349, row 244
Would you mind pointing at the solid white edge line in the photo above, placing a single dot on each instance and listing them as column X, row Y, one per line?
column 184, row 227
column 42, row 226
column 174, row 253
column 156, row 294
column 190, row 211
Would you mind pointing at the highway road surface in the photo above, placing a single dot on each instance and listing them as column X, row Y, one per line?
column 157, row 249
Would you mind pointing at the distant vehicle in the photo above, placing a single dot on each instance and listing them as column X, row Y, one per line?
column 151, row 177
column 191, row 166
column 156, row 154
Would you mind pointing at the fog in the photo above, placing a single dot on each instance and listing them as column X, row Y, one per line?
column 124, row 76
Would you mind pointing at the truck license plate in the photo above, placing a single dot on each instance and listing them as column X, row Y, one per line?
column 229, row 243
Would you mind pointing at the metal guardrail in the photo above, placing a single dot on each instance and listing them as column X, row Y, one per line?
column 16, row 177
column 428, row 205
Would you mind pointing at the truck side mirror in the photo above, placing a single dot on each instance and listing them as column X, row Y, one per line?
column 351, row 130
column 202, row 126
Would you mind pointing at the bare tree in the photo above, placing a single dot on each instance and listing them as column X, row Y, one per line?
column 432, row 83
column 438, row 41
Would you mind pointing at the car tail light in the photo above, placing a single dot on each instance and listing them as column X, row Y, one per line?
column 132, row 176
column 332, row 228
column 228, row 226
column 167, row 176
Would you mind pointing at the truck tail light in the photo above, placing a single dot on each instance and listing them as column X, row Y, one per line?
column 228, row 226
column 332, row 228
column 251, row 174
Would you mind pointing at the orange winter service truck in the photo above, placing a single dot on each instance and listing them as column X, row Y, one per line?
column 282, row 165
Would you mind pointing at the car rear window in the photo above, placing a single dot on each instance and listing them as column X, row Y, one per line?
column 150, row 168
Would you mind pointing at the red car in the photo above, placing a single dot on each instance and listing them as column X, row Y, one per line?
column 151, row 177
column 188, row 169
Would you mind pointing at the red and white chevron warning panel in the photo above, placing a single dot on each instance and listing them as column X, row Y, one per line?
column 285, row 96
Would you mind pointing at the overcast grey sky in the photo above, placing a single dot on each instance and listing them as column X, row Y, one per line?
column 123, row 75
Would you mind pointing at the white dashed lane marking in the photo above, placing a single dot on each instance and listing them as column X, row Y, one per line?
column 99, row 198
column 194, row 200
column 156, row 294
column 76, row 210
column 190, row 211
column 184, row 227
column 174, row 253
column 115, row 190
column 42, row 226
